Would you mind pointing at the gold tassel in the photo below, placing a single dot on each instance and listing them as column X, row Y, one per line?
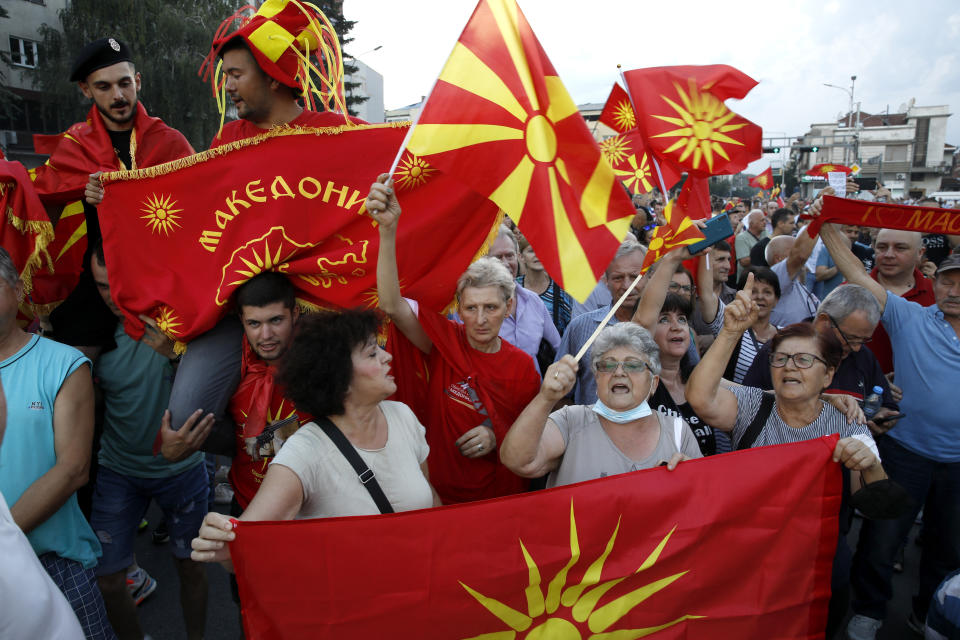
column 276, row 132
column 43, row 230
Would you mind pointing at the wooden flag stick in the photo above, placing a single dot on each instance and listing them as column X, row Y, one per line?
column 606, row 318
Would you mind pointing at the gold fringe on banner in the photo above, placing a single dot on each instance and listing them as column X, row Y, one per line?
column 43, row 230
column 276, row 132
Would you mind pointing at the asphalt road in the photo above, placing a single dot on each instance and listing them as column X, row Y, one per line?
column 160, row 614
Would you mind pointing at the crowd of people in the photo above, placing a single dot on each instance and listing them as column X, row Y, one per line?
column 773, row 336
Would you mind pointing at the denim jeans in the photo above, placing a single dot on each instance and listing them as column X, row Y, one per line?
column 933, row 485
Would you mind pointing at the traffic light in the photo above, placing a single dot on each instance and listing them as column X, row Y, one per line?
column 771, row 149
column 813, row 149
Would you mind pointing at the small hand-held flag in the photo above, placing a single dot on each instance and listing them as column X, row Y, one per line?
column 679, row 229
column 824, row 168
column 500, row 120
column 764, row 181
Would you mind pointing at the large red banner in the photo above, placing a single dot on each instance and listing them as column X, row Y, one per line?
column 733, row 546
column 180, row 237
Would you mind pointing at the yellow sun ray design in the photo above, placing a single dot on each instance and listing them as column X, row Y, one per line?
column 168, row 321
column 703, row 123
column 580, row 602
column 412, row 172
column 639, row 174
column 624, row 117
column 269, row 252
column 615, row 149
column 161, row 213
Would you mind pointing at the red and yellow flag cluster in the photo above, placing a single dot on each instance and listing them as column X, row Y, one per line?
column 501, row 121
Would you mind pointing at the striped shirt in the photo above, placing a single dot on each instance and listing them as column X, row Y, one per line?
column 776, row 431
column 747, row 351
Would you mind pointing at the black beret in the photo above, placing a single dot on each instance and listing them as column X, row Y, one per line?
column 97, row 55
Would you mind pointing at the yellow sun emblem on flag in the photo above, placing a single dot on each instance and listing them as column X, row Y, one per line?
column 412, row 172
column 270, row 252
column 572, row 612
column 615, row 149
column 167, row 321
column 624, row 117
column 161, row 213
column 703, row 123
column 827, row 168
column 763, row 180
column 637, row 178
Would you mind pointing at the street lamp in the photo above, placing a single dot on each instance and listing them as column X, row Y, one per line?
column 849, row 92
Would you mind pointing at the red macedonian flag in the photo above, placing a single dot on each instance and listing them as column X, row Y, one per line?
column 693, row 202
column 824, row 168
column 626, row 152
column 180, row 237
column 684, row 119
column 501, row 121
column 763, row 181
column 732, row 546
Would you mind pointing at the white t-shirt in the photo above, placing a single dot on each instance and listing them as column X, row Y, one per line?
column 31, row 605
column 331, row 487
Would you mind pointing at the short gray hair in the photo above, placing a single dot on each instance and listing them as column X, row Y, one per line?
column 506, row 232
column 631, row 336
column 846, row 299
column 487, row 272
column 627, row 247
column 7, row 269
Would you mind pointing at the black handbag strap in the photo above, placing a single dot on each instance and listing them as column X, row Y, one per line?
column 750, row 435
column 367, row 478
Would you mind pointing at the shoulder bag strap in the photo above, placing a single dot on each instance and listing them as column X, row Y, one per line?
column 365, row 473
column 750, row 435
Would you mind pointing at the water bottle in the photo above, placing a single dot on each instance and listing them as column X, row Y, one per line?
column 872, row 404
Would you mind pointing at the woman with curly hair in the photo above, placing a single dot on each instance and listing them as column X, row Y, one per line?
column 478, row 383
column 335, row 368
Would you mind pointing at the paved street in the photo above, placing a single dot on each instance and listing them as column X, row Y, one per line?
column 160, row 614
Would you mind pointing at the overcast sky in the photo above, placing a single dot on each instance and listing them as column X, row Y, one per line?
column 898, row 50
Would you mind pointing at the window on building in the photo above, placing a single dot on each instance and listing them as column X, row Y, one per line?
column 920, row 147
column 23, row 53
column 895, row 153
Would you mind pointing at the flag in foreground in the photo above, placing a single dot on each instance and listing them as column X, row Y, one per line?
column 733, row 546
column 183, row 250
column 682, row 115
column 500, row 120
column 763, row 181
column 626, row 151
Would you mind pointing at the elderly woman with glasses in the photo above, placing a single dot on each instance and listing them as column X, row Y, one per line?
column 802, row 365
column 617, row 434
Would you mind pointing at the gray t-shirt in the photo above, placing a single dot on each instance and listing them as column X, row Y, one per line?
column 591, row 454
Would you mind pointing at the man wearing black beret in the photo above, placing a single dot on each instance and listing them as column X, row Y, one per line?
column 118, row 133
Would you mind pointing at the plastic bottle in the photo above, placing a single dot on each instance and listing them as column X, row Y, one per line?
column 873, row 402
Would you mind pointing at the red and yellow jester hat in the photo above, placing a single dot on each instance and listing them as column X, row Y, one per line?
column 283, row 35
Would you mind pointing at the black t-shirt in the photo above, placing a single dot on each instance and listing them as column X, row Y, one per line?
column 663, row 403
column 757, row 253
column 936, row 247
column 121, row 144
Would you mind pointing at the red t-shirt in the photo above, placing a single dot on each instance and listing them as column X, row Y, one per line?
column 922, row 294
column 505, row 382
column 241, row 129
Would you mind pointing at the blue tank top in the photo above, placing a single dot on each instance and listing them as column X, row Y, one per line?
column 32, row 377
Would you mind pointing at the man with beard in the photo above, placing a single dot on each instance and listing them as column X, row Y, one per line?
column 117, row 134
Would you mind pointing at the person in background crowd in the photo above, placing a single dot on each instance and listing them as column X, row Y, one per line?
column 754, row 228
column 621, row 272
column 536, row 279
column 787, row 257
column 782, row 223
column 827, row 276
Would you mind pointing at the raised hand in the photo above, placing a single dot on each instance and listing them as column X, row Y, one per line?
column 739, row 315
column 381, row 203
column 559, row 379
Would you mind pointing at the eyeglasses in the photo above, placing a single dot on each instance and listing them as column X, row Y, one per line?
column 800, row 360
column 629, row 366
column 686, row 288
column 851, row 342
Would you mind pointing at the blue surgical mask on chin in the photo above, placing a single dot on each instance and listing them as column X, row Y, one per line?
column 642, row 410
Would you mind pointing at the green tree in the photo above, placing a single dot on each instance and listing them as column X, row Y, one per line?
column 169, row 40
